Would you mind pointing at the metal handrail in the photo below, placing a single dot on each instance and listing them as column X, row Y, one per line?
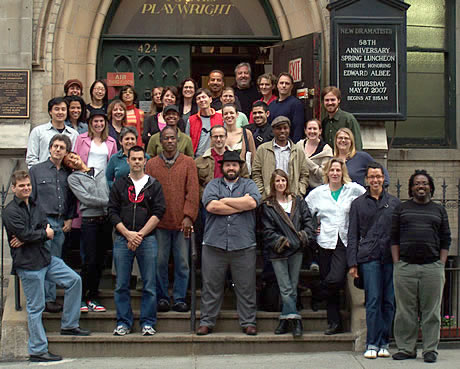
column 193, row 259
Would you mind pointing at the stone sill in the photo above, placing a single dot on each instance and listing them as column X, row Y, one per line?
column 424, row 154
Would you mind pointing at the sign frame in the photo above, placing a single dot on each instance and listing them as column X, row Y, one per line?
column 399, row 108
column 25, row 107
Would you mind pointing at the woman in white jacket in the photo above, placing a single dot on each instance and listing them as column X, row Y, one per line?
column 317, row 152
column 331, row 204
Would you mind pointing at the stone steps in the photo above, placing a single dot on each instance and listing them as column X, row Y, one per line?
column 184, row 344
column 180, row 322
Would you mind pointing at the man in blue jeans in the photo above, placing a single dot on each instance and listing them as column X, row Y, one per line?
column 136, row 205
column 28, row 230
column 51, row 190
column 369, row 246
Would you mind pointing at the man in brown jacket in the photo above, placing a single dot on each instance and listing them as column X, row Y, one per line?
column 178, row 176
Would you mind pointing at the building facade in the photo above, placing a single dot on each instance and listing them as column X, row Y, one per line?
column 58, row 40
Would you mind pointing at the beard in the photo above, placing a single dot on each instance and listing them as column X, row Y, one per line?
column 231, row 176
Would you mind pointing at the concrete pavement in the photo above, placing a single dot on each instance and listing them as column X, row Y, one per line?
column 448, row 359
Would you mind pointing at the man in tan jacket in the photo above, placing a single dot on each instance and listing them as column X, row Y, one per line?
column 280, row 153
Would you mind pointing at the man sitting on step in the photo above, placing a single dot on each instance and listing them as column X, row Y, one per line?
column 28, row 230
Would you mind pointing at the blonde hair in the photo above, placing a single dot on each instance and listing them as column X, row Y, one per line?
column 352, row 150
column 345, row 177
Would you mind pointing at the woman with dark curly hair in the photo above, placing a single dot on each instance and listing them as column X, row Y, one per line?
column 187, row 103
column 134, row 116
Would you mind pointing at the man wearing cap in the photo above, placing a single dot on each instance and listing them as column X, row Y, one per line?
column 73, row 87
column 229, row 241
column 40, row 136
column 184, row 143
column 280, row 153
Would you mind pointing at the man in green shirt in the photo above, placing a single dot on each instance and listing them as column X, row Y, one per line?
column 337, row 118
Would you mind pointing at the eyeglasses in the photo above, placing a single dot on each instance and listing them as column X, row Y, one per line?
column 219, row 137
column 343, row 138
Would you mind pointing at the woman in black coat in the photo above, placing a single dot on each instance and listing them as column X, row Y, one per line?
column 288, row 227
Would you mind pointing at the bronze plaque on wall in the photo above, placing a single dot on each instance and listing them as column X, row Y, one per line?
column 14, row 93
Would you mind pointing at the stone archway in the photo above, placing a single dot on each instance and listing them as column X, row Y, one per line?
column 78, row 24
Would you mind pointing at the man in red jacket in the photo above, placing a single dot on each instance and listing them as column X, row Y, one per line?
column 199, row 125
column 179, row 179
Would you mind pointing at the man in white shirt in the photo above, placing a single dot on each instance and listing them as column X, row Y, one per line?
column 40, row 136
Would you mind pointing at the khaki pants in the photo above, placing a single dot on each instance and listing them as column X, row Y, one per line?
column 418, row 291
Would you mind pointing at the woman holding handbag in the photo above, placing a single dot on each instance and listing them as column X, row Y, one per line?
column 288, row 229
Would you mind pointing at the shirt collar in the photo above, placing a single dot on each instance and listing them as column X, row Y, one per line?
column 288, row 146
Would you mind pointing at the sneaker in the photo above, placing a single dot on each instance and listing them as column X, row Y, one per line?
column 314, row 267
column 163, row 306
column 370, row 354
column 83, row 307
column 383, row 352
column 93, row 305
column 180, row 307
column 430, row 357
column 121, row 330
column 148, row 330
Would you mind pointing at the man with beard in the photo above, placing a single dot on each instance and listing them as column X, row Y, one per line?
column 245, row 90
column 420, row 242
column 199, row 125
column 261, row 130
column 178, row 177
column 280, row 153
column 288, row 106
column 229, row 241
column 337, row 118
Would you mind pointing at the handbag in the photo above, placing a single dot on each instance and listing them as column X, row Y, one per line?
column 248, row 154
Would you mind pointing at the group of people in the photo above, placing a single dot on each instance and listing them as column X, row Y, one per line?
column 233, row 160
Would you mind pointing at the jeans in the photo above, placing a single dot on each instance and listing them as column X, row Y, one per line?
column 146, row 254
column 168, row 239
column 93, row 234
column 380, row 303
column 55, row 247
column 287, row 274
column 33, row 282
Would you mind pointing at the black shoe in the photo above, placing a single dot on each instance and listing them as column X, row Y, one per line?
column 163, row 306
column 333, row 328
column 53, row 307
column 430, row 357
column 283, row 327
column 180, row 307
column 297, row 329
column 75, row 332
column 401, row 355
column 47, row 356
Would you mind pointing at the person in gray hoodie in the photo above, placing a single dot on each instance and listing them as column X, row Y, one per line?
column 91, row 189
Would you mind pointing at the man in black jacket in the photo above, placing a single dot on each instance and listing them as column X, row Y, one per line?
column 261, row 130
column 136, row 205
column 28, row 230
column 369, row 246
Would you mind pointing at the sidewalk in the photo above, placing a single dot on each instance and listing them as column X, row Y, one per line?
column 448, row 359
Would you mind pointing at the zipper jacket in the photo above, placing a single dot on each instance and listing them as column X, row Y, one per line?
column 132, row 211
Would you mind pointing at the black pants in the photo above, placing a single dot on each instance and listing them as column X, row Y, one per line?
column 94, row 233
column 333, row 272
